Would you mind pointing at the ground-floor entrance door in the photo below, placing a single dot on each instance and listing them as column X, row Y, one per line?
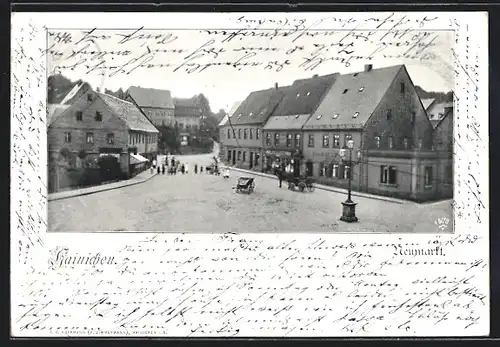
column 251, row 160
column 309, row 168
column 234, row 157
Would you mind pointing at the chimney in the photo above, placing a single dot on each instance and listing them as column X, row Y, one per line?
column 276, row 85
column 368, row 67
column 315, row 75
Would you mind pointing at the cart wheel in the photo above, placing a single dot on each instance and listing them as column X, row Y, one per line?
column 302, row 187
column 291, row 186
column 310, row 188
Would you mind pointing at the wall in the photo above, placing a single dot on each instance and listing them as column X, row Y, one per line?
column 282, row 140
column 404, row 187
column 145, row 142
column 67, row 123
column 159, row 116
column 241, row 141
column 443, row 134
column 184, row 121
column 399, row 126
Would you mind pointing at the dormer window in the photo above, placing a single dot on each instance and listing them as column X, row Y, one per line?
column 355, row 115
column 239, row 115
column 298, row 95
column 335, row 116
column 361, row 89
column 345, row 91
column 441, row 115
column 98, row 116
column 297, row 116
column 251, row 113
column 308, row 93
column 389, row 114
column 355, row 74
column 89, row 97
column 319, row 116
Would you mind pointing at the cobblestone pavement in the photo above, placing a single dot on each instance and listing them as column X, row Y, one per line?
column 207, row 203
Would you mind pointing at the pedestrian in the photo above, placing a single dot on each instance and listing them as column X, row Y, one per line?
column 151, row 169
column 172, row 162
column 183, row 169
column 158, row 169
column 154, row 163
column 280, row 176
column 195, row 169
column 186, row 168
column 201, row 168
column 163, row 169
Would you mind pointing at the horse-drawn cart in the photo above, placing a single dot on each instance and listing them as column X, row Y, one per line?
column 245, row 185
column 300, row 183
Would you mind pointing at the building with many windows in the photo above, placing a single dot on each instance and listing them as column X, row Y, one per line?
column 156, row 104
column 98, row 124
column 283, row 130
column 223, row 133
column 243, row 139
column 379, row 110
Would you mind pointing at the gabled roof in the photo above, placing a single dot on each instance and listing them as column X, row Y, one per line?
column 352, row 99
column 149, row 97
column 427, row 103
column 257, row 107
column 128, row 112
column 54, row 111
column 186, row 102
column 304, row 95
column 68, row 99
column 438, row 112
column 233, row 109
column 286, row 122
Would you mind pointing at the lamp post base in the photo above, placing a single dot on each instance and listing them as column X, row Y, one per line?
column 349, row 212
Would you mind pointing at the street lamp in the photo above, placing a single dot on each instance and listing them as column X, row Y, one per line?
column 348, row 206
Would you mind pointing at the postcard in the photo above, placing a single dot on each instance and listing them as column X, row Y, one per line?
column 249, row 174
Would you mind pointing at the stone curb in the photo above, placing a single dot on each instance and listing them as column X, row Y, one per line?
column 331, row 189
column 88, row 191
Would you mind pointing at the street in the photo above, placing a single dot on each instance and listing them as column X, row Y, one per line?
column 208, row 203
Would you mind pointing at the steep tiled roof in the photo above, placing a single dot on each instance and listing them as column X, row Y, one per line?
column 68, row 99
column 257, row 107
column 54, row 111
column 304, row 95
column 186, row 102
column 232, row 110
column 128, row 112
column 352, row 99
column 149, row 97
column 286, row 122
column 439, row 111
column 427, row 102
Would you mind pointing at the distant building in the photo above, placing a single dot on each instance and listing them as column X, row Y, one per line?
column 98, row 124
column 243, row 140
column 188, row 114
column 156, row 104
column 283, row 140
column 223, row 126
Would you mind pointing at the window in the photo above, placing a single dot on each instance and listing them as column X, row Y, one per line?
column 420, row 143
column 389, row 141
column 245, row 133
column 402, row 87
column 297, row 140
column 326, row 141
column 228, row 155
column 335, row 171
column 90, row 137
column 251, row 134
column 98, row 116
column 239, row 133
column 257, row 134
column 268, row 139
column 449, row 174
column 188, row 126
column 257, row 157
column 89, row 97
column 79, row 116
column 361, row 89
column 310, row 140
column 347, row 138
column 244, row 156
column 428, row 176
column 319, row 116
column 377, row 141
column 228, row 133
column 335, row 116
column 67, row 137
column 239, row 155
column 336, row 141
column 181, row 125
column 110, row 139
column 389, row 114
column 387, row 174
column 322, row 169
column 288, row 140
column 405, row 143
column 347, row 172
column 277, row 139
column 413, row 118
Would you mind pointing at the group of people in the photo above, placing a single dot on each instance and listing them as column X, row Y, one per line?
column 174, row 167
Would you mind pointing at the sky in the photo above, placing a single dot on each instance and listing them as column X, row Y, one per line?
column 225, row 85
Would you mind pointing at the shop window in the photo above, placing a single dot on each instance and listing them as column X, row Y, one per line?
column 268, row 139
column 326, row 141
column 310, row 140
column 277, row 139
column 388, row 174
column 428, row 176
column 90, row 138
column 288, row 140
column 67, row 137
column 228, row 155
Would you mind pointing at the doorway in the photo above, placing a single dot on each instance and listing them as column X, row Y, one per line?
column 234, row 157
column 251, row 160
column 309, row 168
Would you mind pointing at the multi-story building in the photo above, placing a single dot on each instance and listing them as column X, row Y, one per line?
column 243, row 139
column 379, row 110
column 156, row 104
column 98, row 124
column 223, row 126
column 283, row 130
column 443, row 145
column 187, row 114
